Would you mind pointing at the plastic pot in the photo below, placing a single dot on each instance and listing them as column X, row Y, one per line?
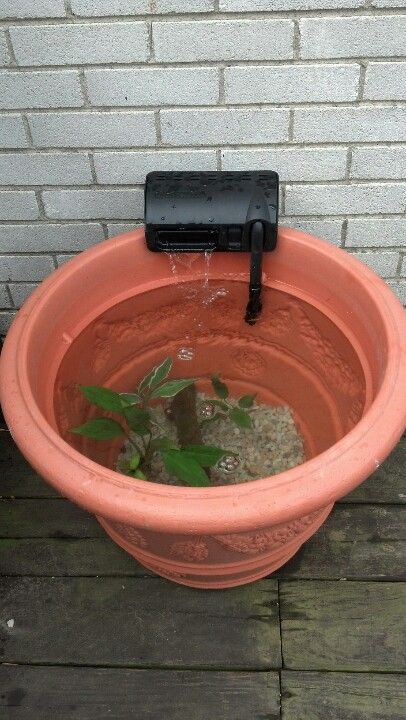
column 329, row 343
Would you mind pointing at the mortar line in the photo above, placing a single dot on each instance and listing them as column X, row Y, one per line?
column 90, row 157
column 10, row 297
column 206, row 62
column 10, row 49
column 296, row 39
column 27, row 129
column 344, row 228
column 68, row 10
column 151, row 48
column 158, row 128
column 220, row 15
column 84, row 89
column 361, row 85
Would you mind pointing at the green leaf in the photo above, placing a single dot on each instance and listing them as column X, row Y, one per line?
column 157, row 374
column 171, row 388
column 185, row 468
column 219, row 387
column 103, row 397
column 220, row 404
column 205, row 455
column 139, row 474
column 241, row 418
column 100, row 429
column 137, row 419
column 131, row 398
column 246, row 401
column 134, row 461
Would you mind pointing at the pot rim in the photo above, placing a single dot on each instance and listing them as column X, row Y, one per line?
column 254, row 504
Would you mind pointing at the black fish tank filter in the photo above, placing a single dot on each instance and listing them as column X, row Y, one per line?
column 215, row 212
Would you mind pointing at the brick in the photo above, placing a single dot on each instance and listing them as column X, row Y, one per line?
column 376, row 232
column 383, row 263
column 368, row 36
column 18, row 205
column 12, row 132
column 49, row 237
column 6, row 318
column 25, row 267
column 182, row 6
column 21, row 291
column 122, row 42
column 388, row 3
column 90, row 204
column 326, row 229
column 379, row 162
column 32, row 8
column 223, row 40
column 292, row 83
column 385, row 81
column 130, row 168
column 349, row 124
column 156, row 86
column 284, row 5
column 294, row 163
column 399, row 288
column 39, row 89
column 45, row 169
column 93, row 129
column 4, row 297
column 62, row 259
column 4, row 57
column 119, row 228
column 230, row 125
column 403, row 267
column 345, row 199
column 100, row 8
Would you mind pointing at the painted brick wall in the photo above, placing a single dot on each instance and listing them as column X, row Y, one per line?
column 95, row 93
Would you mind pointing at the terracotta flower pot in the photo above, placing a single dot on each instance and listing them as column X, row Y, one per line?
column 328, row 343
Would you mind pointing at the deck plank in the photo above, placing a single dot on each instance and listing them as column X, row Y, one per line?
column 340, row 625
column 356, row 542
column 343, row 696
column 50, row 693
column 387, row 483
column 50, row 517
column 139, row 622
column 18, row 478
column 365, row 542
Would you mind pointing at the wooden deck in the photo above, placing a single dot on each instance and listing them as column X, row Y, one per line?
column 87, row 634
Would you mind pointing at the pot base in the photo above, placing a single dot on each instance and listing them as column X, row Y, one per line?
column 223, row 575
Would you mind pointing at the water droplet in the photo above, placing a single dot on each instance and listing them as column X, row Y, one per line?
column 229, row 463
column 186, row 353
column 163, row 217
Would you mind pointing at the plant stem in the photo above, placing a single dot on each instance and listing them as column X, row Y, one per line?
column 134, row 444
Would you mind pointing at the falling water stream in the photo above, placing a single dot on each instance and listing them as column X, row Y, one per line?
column 201, row 294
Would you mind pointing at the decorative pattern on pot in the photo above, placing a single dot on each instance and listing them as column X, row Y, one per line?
column 129, row 533
column 249, row 362
column 330, row 361
column 69, row 404
column 355, row 413
column 261, row 541
column 194, row 550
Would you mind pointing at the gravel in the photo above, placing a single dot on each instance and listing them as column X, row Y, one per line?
column 272, row 446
